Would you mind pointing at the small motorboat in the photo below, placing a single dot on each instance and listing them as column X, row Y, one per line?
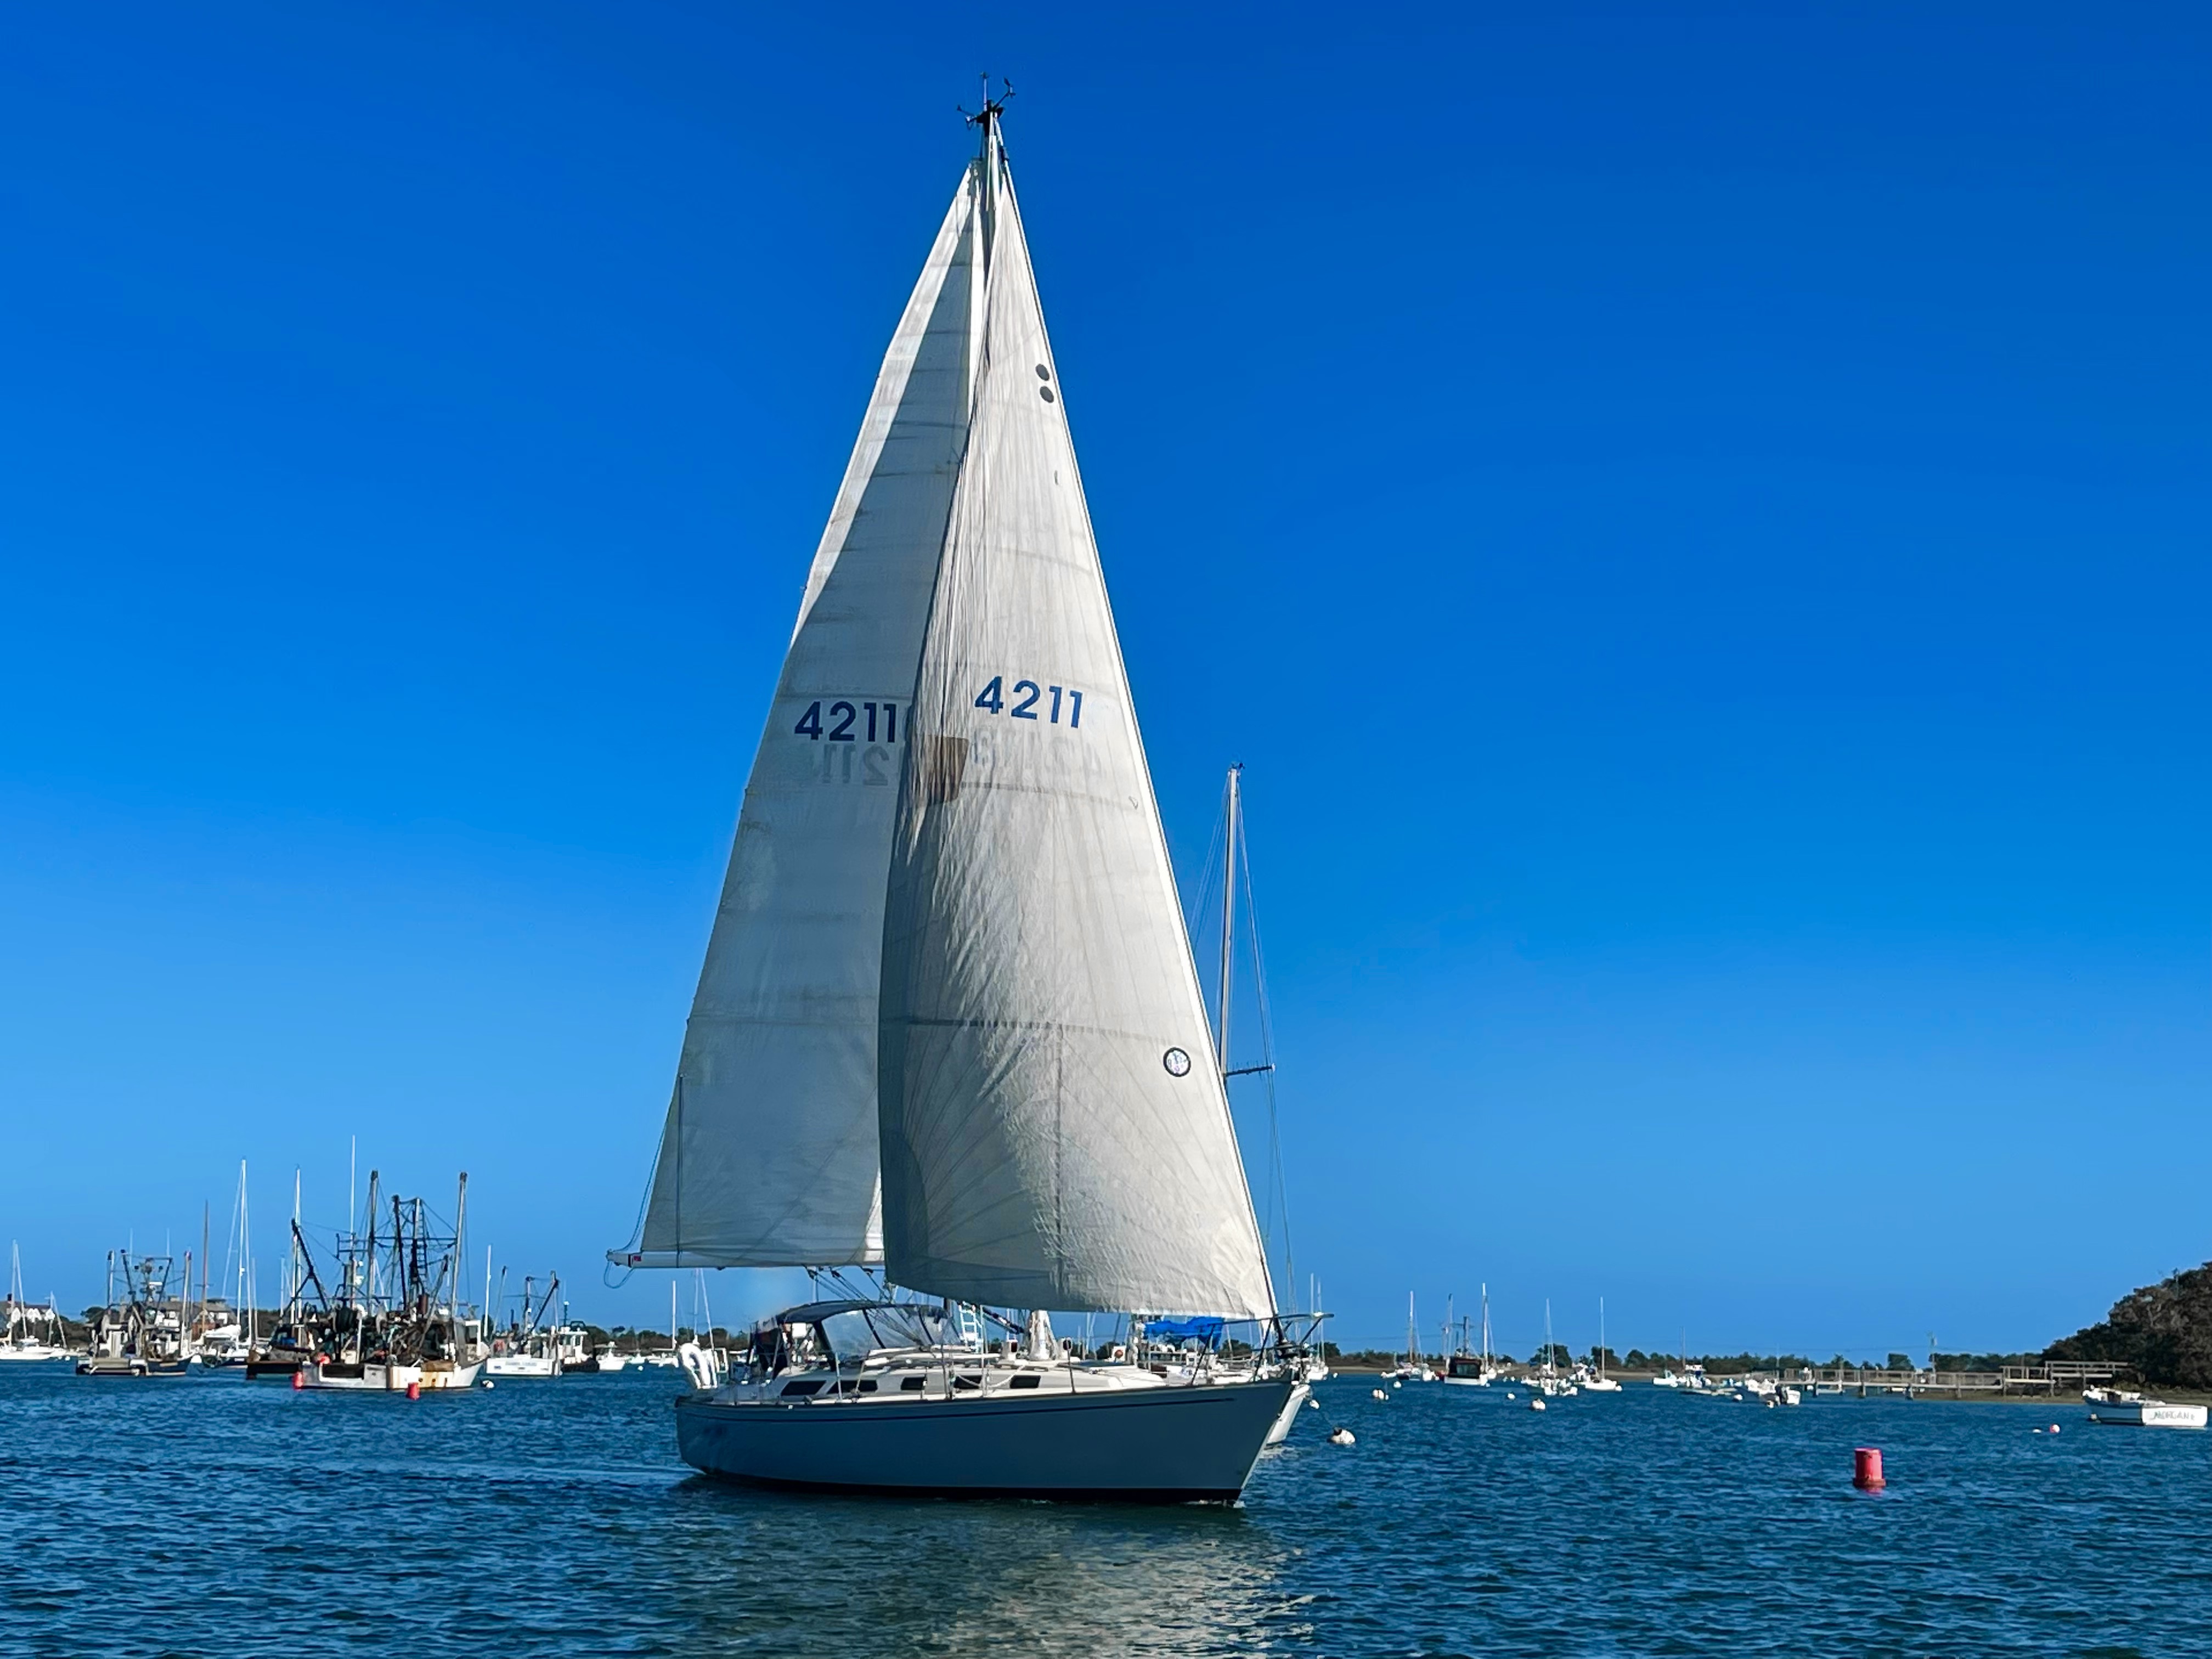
column 2127, row 1410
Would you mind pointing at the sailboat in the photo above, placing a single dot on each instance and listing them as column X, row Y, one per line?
column 949, row 1031
column 30, row 1333
column 1414, row 1367
column 1548, row 1383
column 1597, row 1381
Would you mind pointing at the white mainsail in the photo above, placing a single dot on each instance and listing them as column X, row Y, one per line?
column 769, row 1155
column 1055, row 1129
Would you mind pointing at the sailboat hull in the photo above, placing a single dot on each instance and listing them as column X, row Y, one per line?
column 1286, row 1419
column 1174, row 1445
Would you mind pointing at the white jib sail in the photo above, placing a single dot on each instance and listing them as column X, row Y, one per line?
column 1055, row 1130
column 768, row 1155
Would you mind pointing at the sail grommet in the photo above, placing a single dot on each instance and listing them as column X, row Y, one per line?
column 1176, row 1062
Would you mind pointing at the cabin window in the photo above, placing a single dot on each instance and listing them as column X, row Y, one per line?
column 800, row 1390
column 968, row 1380
column 1026, row 1380
column 911, row 1384
column 867, row 1385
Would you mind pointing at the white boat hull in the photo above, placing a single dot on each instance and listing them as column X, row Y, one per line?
column 1280, row 1431
column 373, row 1377
column 1149, row 1446
column 515, row 1365
column 2148, row 1414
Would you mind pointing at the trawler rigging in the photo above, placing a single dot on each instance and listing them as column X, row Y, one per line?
column 397, row 1321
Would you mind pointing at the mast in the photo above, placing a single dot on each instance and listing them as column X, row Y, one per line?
column 368, row 1266
column 292, row 1299
column 988, row 160
column 460, row 1221
column 1228, row 910
column 245, row 1258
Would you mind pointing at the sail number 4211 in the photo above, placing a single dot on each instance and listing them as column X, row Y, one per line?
column 1023, row 702
column 841, row 717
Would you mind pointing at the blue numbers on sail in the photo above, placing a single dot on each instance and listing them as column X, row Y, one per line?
column 882, row 721
column 1029, row 701
column 855, row 735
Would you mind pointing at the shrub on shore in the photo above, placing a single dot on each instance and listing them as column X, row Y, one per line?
column 2163, row 1330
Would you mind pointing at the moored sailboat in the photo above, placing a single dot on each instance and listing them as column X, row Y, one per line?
column 28, row 1332
column 949, row 1028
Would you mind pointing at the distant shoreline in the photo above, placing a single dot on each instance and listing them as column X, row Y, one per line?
column 1516, row 1374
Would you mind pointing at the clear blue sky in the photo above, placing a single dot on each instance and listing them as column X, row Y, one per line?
column 1696, row 524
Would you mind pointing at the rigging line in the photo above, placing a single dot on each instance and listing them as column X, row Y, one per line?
column 1201, row 902
column 1267, row 1056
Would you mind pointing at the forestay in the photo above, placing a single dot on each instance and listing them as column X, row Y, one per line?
column 1055, row 1129
column 769, row 1155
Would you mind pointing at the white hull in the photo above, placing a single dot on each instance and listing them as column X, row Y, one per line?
column 372, row 1378
column 1155, row 1445
column 515, row 1365
column 32, row 1351
column 1300, row 1393
column 2148, row 1414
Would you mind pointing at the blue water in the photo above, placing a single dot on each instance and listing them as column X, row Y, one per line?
column 216, row 1516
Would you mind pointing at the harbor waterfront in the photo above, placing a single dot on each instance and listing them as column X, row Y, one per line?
column 238, row 1517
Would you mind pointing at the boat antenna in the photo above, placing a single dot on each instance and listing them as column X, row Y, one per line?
column 987, row 116
column 990, row 155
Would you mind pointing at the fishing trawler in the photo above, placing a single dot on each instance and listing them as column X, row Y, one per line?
column 399, row 1325
column 140, row 1333
column 304, row 1325
column 1465, row 1367
column 949, row 1028
column 530, row 1346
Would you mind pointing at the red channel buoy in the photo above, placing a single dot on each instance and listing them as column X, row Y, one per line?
column 1866, row 1474
column 298, row 1381
column 414, row 1392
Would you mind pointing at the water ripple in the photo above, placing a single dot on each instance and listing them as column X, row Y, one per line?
column 213, row 1517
